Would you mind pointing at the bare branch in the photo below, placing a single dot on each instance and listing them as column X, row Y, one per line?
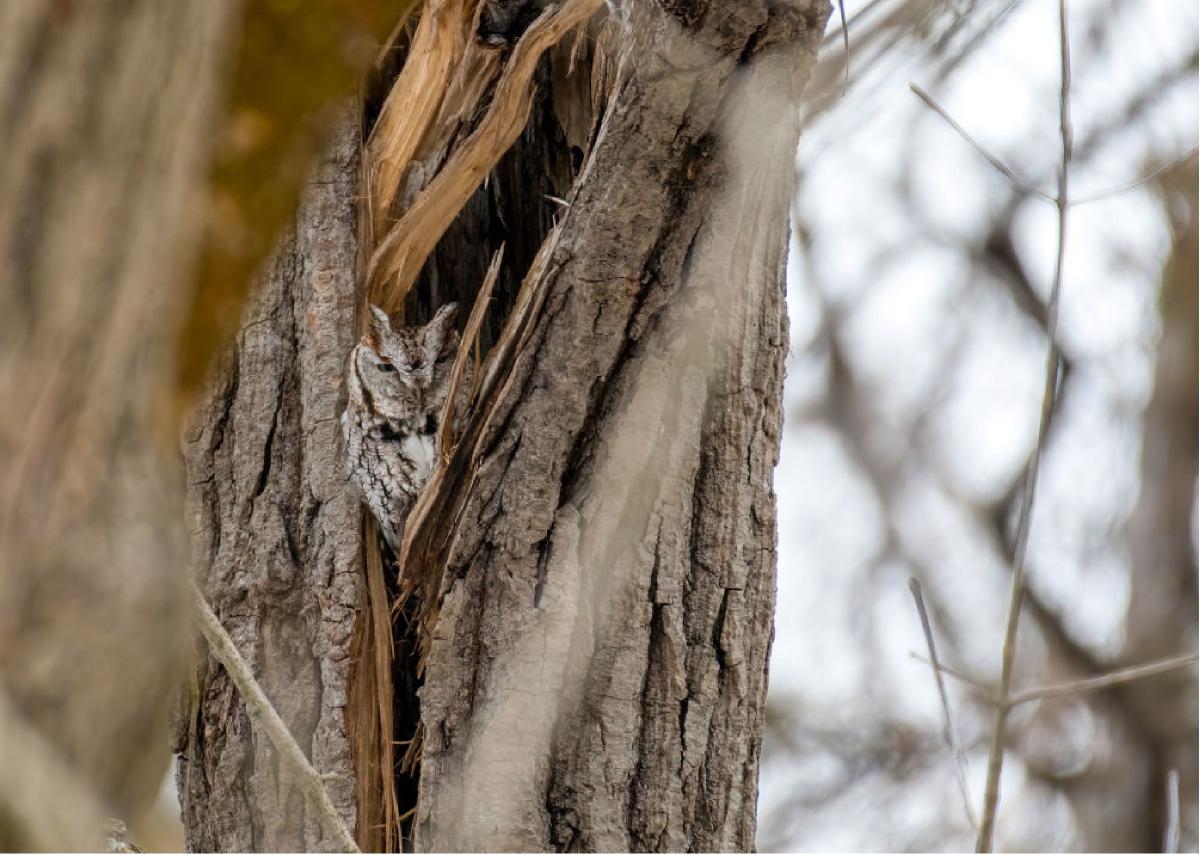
column 1023, row 186
column 1114, row 191
column 1104, row 681
column 952, row 738
column 263, row 714
column 997, row 164
column 1090, row 684
column 987, row 692
column 991, row 795
column 841, row 4
column 1171, row 837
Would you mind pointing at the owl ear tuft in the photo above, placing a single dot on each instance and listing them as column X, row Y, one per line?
column 381, row 324
column 439, row 331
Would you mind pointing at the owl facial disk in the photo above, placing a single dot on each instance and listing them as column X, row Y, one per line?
column 381, row 387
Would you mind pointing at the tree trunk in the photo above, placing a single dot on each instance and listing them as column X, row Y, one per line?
column 276, row 535
column 1161, row 621
column 598, row 671
column 594, row 672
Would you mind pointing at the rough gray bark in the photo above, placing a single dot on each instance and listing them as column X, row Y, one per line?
column 108, row 112
column 598, row 669
column 597, row 673
column 276, row 543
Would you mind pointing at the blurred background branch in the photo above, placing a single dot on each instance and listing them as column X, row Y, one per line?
column 918, row 295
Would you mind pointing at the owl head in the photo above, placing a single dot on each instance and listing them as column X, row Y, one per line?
column 402, row 376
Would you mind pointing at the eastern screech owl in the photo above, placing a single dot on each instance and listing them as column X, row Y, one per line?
column 397, row 387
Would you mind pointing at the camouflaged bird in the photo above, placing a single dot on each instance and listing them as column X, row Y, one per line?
column 397, row 382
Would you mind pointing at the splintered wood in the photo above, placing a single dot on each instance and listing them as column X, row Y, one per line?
column 407, row 126
column 427, row 153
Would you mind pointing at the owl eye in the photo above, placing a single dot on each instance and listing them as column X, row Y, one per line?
column 387, row 367
column 430, row 425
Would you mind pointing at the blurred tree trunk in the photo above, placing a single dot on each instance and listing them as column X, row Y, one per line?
column 1121, row 801
column 109, row 115
column 595, row 677
column 1162, row 615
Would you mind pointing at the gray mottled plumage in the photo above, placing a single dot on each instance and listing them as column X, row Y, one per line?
column 396, row 388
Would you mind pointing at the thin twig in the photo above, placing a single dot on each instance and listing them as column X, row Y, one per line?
column 1104, row 681
column 263, row 714
column 987, row 692
column 997, row 164
column 1029, row 189
column 951, row 733
column 1089, row 684
column 841, row 4
column 1171, row 836
column 1114, row 191
column 991, row 794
